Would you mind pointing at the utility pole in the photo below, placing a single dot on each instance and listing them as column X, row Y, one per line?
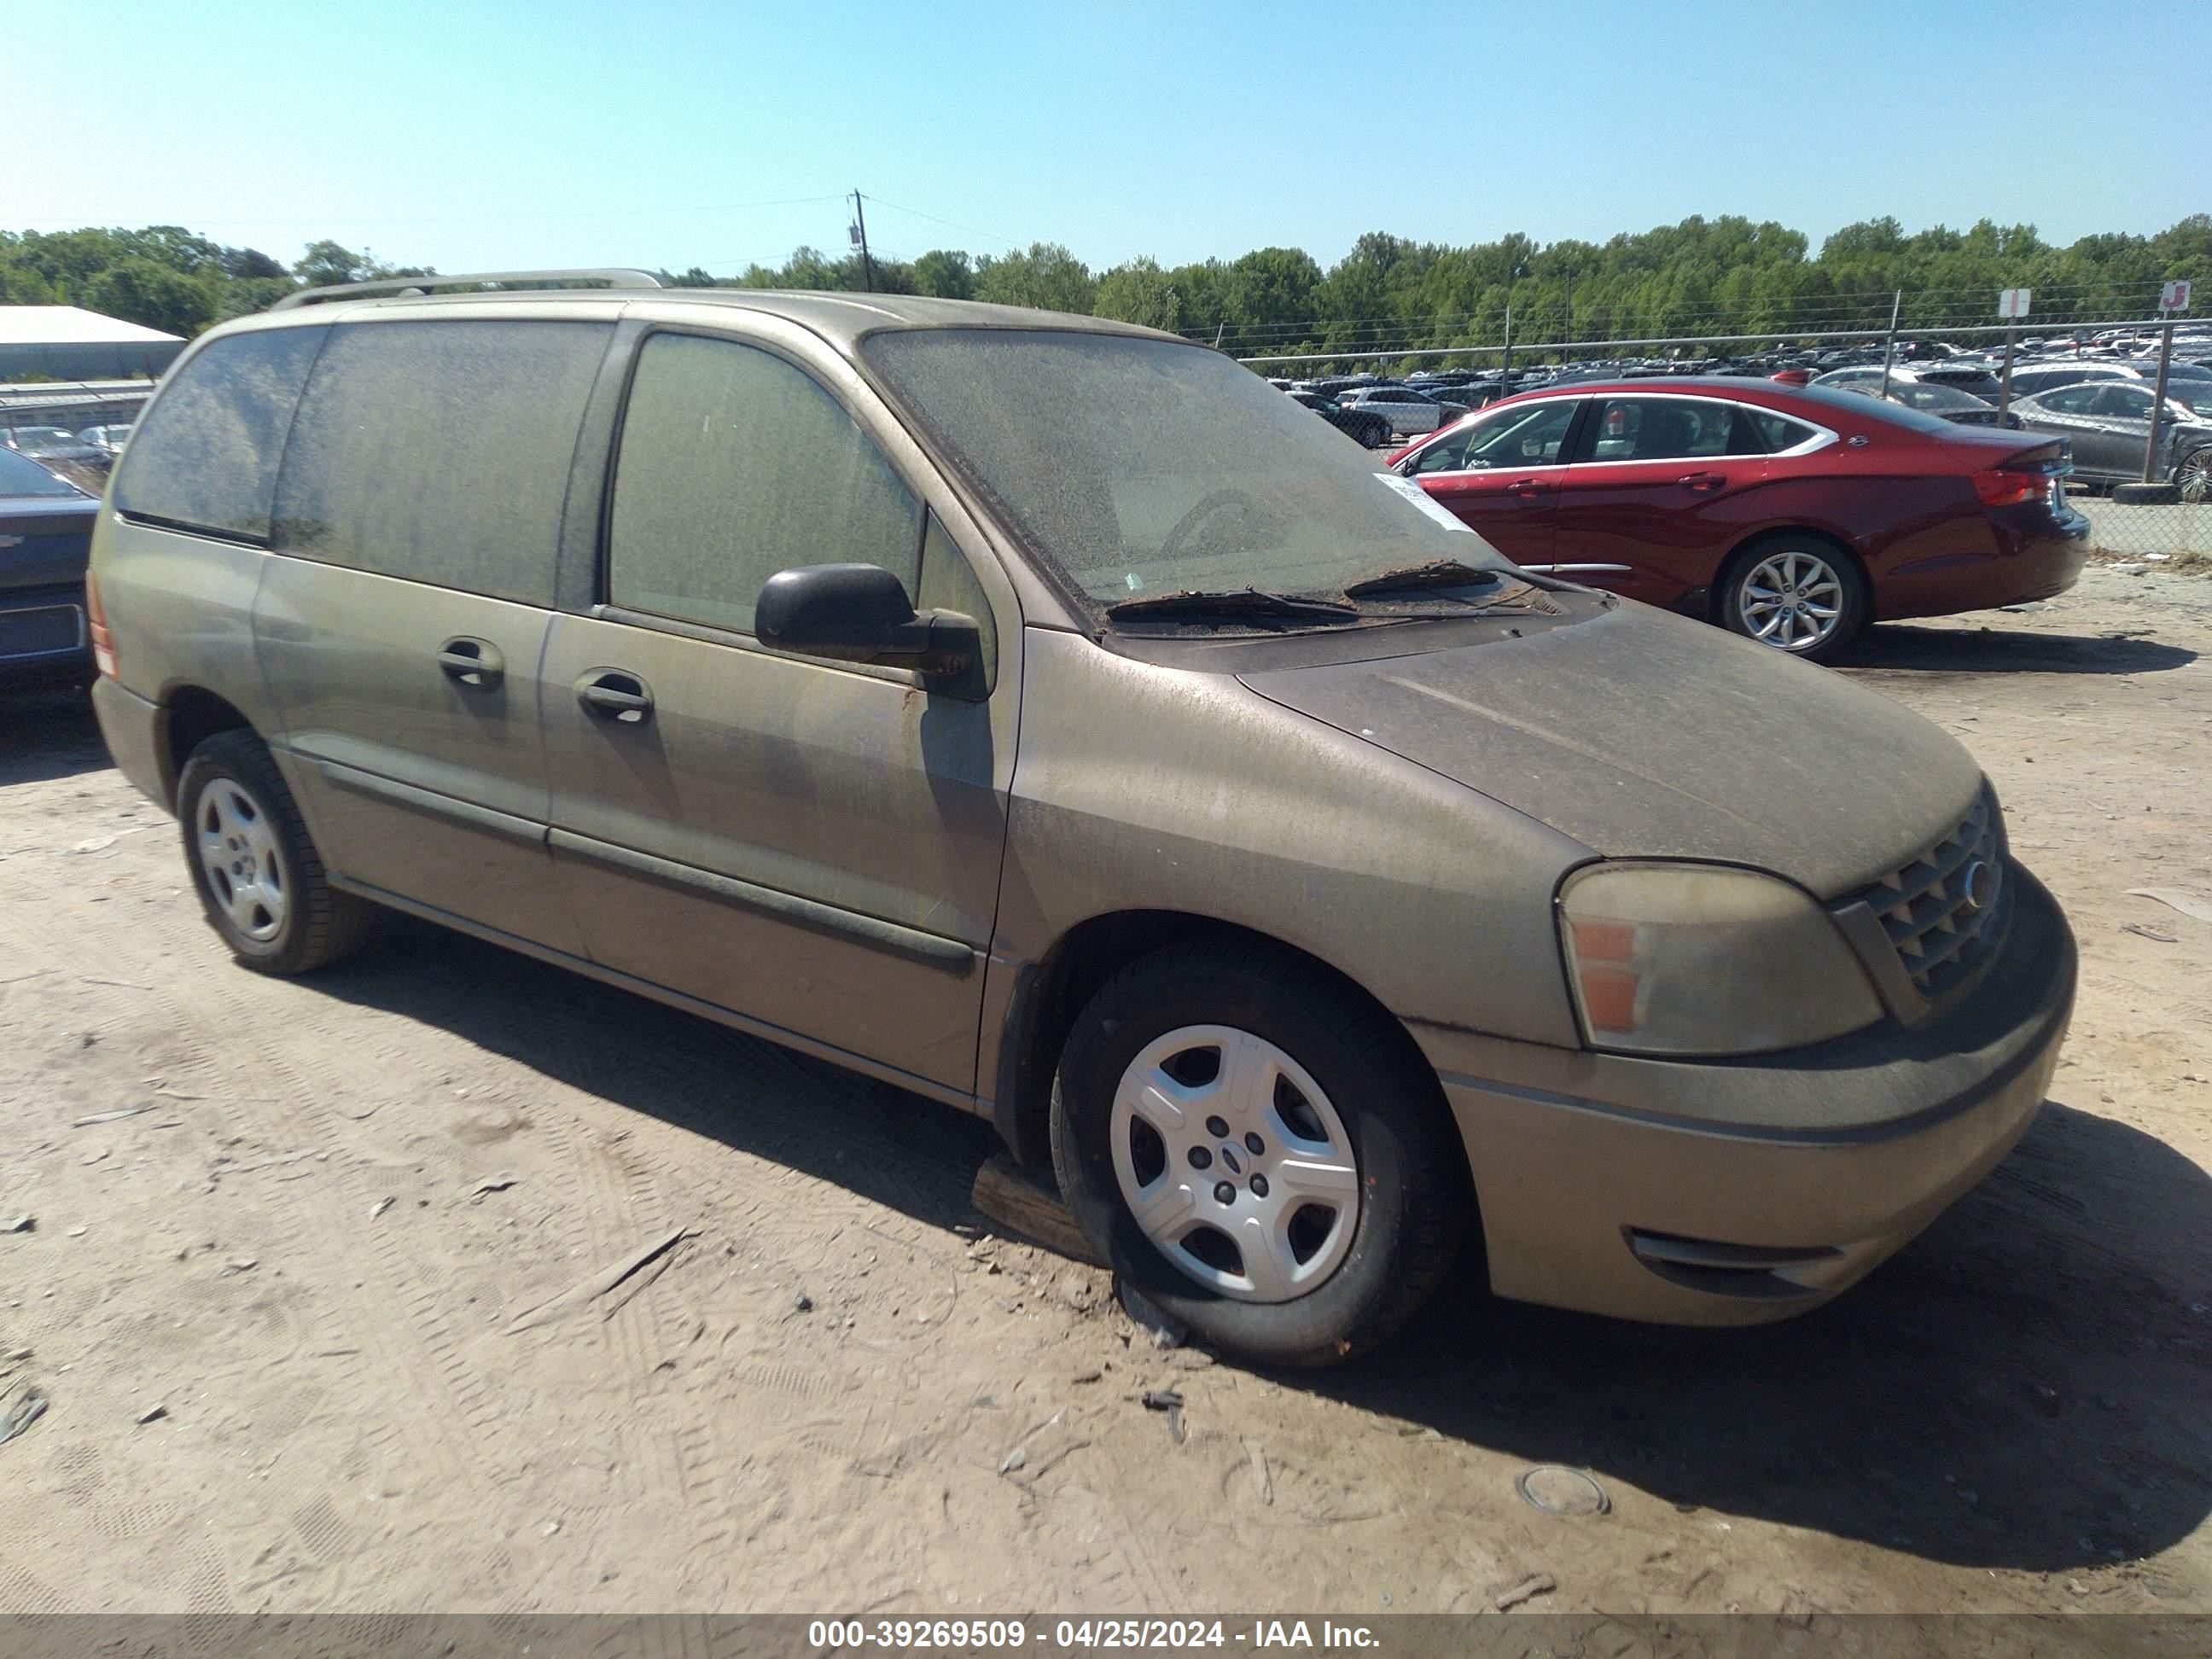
column 860, row 238
column 2158, row 404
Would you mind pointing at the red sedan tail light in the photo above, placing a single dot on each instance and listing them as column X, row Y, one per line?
column 1999, row 488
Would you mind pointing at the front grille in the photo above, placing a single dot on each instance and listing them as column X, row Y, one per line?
column 1944, row 912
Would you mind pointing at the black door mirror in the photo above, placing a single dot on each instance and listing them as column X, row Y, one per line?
column 860, row 613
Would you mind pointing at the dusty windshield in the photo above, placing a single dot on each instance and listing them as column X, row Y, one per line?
column 1139, row 467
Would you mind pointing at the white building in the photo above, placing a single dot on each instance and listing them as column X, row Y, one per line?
column 66, row 343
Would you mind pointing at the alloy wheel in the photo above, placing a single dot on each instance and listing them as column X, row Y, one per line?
column 1234, row 1163
column 2194, row 476
column 237, row 842
column 1791, row 599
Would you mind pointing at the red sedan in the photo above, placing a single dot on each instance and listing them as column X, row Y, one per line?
column 1792, row 514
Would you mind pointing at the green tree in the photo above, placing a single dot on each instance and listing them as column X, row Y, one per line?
column 145, row 291
column 945, row 273
column 1047, row 277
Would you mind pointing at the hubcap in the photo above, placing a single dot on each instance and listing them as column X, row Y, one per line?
column 238, row 851
column 1793, row 600
column 2196, row 478
column 1234, row 1163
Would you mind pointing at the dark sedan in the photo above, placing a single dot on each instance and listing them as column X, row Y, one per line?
column 2106, row 424
column 1363, row 426
column 45, row 532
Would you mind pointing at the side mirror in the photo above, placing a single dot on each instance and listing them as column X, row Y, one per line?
column 860, row 613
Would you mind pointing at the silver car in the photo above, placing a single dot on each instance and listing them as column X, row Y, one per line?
column 1409, row 412
column 1047, row 716
column 2107, row 424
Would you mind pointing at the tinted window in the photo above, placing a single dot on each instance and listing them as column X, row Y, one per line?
column 735, row 465
column 948, row 583
column 21, row 477
column 2123, row 399
column 440, row 451
column 1778, row 432
column 1526, row 435
column 1867, row 409
column 1664, row 429
column 2071, row 399
column 205, row 455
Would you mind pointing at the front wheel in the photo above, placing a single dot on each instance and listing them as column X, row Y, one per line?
column 1259, row 1152
column 1796, row 593
column 2194, row 476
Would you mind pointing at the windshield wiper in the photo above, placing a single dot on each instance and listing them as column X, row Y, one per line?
column 1234, row 602
column 1432, row 573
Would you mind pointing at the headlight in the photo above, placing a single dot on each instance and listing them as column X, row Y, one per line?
column 1700, row 959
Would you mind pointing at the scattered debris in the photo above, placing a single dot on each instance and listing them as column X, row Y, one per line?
column 78, row 1231
column 380, row 1206
column 26, row 1408
column 152, row 1414
column 549, row 1530
column 802, row 1302
column 2021, row 610
column 1014, row 1460
column 241, row 1264
column 1088, row 1374
column 1170, row 1401
column 112, row 1117
column 90, row 1158
column 498, row 1184
column 1164, row 1329
column 122, row 984
column 1257, row 1457
column 2187, row 903
column 1557, row 1490
column 1528, row 1590
column 2144, row 930
column 22, row 1224
column 642, row 1266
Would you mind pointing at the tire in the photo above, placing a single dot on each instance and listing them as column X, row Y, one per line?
column 259, row 879
column 1824, row 592
column 2193, row 476
column 1377, row 1209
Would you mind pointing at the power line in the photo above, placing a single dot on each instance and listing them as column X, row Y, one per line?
column 950, row 224
column 335, row 221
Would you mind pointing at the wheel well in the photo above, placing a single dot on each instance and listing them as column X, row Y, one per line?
column 192, row 716
column 1750, row 545
column 1053, row 992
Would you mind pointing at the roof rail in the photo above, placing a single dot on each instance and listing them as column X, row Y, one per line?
column 611, row 276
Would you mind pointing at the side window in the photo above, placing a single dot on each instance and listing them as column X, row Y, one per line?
column 1660, row 429
column 205, row 455
column 1776, row 432
column 1527, row 435
column 440, row 452
column 2124, row 400
column 2073, row 399
column 948, row 583
column 734, row 466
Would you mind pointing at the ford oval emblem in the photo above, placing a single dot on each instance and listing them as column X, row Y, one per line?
column 1978, row 889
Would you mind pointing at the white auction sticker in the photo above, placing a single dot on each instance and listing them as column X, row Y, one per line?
column 1420, row 498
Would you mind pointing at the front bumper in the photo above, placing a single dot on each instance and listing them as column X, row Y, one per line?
column 1721, row 1193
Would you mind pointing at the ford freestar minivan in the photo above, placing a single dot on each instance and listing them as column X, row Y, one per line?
column 1047, row 715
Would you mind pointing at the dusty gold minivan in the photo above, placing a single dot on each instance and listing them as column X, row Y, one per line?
column 1050, row 717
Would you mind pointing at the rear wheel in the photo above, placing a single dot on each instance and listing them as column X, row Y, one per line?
column 1258, row 1152
column 2194, row 476
column 254, row 866
column 1798, row 593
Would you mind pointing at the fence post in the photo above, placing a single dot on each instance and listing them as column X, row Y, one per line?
column 2004, row 381
column 1505, row 365
column 1889, row 345
column 2158, row 404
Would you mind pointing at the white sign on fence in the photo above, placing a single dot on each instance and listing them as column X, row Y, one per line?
column 2013, row 303
column 2174, row 296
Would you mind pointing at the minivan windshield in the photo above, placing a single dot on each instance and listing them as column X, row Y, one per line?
column 1137, row 467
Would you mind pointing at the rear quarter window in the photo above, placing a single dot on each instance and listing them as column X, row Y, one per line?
column 205, row 457
column 440, row 451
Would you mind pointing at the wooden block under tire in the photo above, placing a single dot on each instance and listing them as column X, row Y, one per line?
column 1024, row 1202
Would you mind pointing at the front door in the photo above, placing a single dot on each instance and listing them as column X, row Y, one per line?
column 1655, row 489
column 1499, row 475
column 2120, row 427
column 811, row 844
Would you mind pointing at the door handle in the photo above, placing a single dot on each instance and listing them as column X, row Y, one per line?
column 614, row 695
column 1704, row 482
column 1528, row 488
column 472, row 662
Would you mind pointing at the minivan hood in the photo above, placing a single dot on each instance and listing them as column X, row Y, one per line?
column 1644, row 734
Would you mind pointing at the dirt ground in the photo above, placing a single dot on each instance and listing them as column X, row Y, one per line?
column 321, row 1327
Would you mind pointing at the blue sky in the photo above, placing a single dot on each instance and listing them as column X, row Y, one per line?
column 485, row 134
